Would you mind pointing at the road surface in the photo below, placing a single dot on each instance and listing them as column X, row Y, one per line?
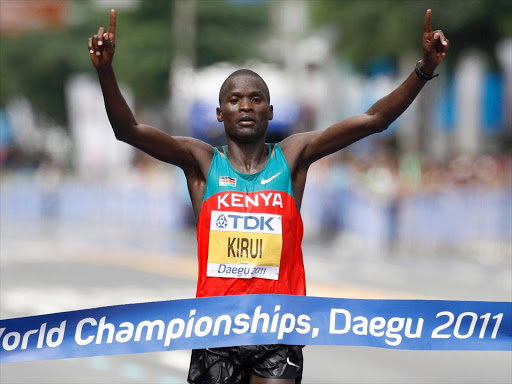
column 53, row 267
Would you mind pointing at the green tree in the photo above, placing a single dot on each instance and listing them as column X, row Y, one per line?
column 37, row 64
column 369, row 29
column 228, row 32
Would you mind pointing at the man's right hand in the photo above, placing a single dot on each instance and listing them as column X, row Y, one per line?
column 102, row 46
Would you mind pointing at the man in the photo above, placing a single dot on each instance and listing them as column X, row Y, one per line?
column 247, row 195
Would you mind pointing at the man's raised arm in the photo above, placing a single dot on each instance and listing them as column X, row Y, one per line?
column 315, row 145
column 187, row 153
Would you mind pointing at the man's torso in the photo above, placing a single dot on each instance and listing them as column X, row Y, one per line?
column 249, row 230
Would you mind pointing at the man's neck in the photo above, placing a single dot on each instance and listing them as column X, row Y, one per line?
column 247, row 157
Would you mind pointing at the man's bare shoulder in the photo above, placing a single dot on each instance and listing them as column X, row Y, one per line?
column 293, row 148
column 201, row 152
column 195, row 145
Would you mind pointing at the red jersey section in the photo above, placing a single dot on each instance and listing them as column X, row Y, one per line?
column 250, row 243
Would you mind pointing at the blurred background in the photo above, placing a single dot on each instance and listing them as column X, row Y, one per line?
column 423, row 210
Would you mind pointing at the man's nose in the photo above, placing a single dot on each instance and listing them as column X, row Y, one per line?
column 245, row 105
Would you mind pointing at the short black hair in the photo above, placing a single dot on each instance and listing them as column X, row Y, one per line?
column 243, row 72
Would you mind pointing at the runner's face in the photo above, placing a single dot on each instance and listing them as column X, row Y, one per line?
column 245, row 110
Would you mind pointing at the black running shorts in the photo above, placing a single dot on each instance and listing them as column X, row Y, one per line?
column 237, row 364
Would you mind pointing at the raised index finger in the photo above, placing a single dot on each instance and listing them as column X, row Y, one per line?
column 112, row 27
column 427, row 27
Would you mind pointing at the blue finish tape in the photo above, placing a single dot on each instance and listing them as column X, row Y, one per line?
column 258, row 319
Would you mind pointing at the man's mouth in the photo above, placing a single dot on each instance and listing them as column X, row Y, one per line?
column 246, row 121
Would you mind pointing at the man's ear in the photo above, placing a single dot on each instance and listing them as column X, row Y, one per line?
column 220, row 119
column 271, row 110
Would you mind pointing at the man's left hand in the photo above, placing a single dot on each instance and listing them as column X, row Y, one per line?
column 435, row 46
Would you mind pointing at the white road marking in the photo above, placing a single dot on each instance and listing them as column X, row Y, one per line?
column 133, row 371
column 179, row 360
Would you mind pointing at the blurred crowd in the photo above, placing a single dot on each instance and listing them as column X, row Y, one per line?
column 384, row 198
column 481, row 171
column 388, row 173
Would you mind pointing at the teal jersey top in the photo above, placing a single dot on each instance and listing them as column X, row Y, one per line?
column 275, row 175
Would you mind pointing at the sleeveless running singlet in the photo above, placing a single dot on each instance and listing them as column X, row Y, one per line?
column 249, row 231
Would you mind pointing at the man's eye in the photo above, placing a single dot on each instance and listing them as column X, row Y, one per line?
column 257, row 100
column 233, row 101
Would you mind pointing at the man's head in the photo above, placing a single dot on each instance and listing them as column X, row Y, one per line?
column 244, row 106
column 247, row 73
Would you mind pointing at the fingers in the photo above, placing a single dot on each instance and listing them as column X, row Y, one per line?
column 427, row 27
column 441, row 43
column 89, row 46
column 108, row 44
column 445, row 48
column 101, row 31
column 445, row 44
column 435, row 44
column 98, row 49
column 112, row 26
column 103, row 42
column 443, row 39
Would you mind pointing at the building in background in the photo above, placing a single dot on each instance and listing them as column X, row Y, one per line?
column 22, row 16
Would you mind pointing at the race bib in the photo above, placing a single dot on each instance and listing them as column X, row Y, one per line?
column 244, row 245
